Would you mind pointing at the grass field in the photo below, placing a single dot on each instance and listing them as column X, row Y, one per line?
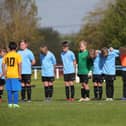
column 62, row 113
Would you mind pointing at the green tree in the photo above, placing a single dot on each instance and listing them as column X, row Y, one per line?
column 18, row 20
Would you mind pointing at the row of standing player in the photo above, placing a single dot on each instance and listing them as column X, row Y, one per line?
column 48, row 62
column 101, row 63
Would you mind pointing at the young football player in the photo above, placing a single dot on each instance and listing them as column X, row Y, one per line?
column 48, row 63
column 11, row 66
column 109, row 70
column 97, row 73
column 28, row 60
column 123, row 63
column 2, row 78
column 69, row 63
column 84, row 68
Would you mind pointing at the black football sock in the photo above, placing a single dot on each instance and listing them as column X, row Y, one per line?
column 46, row 92
column 83, row 92
column 72, row 91
column 100, row 92
column 29, row 92
column 1, row 93
column 112, row 89
column 50, row 91
column 23, row 93
column 87, row 93
column 96, row 92
column 67, row 92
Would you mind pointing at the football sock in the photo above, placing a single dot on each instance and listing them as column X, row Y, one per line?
column 50, row 91
column 1, row 93
column 46, row 92
column 29, row 92
column 100, row 92
column 87, row 93
column 15, row 97
column 83, row 92
column 23, row 93
column 95, row 91
column 67, row 92
column 9, row 93
column 109, row 89
column 72, row 91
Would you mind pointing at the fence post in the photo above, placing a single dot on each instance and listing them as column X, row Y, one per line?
column 35, row 74
column 57, row 73
column 76, row 76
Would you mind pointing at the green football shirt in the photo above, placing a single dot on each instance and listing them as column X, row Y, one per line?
column 84, row 63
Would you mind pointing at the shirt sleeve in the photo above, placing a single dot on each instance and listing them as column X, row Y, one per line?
column 116, row 52
column 53, row 60
column 31, row 56
column 73, row 56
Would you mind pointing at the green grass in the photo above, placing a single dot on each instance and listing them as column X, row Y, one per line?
column 62, row 113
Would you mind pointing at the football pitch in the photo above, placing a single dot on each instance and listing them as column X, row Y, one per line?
column 59, row 112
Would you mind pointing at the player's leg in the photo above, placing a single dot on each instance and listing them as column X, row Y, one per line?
column 71, row 83
column 10, row 101
column 95, row 90
column 72, row 90
column 2, row 82
column 50, row 87
column 87, row 89
column 9, row 92
column 100, row 90
column 15, row 93
column 67, row 86
column 124, row 84
column 23, row 89
column 109, row 89
column 28, row 85
column 83, row 91
column 67, row 90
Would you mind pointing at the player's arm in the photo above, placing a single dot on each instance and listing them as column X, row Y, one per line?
column 33, row 62
column 4, row 69
column 19, row 70
column 32, row 58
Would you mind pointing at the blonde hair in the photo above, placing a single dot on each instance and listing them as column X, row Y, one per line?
column 83, row 42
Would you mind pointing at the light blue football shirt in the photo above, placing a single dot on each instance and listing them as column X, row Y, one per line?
column 97, row 64
column 47, row 64
column 68, row 58
column 27, row 58
column 1, row 72
column 109, row 66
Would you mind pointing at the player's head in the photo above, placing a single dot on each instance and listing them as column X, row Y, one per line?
column 104, row 52
column 92, row 53
column 3, row 52
column 23, row 44
column 65, row 46
column 122, row 50
column 12, row 46
column 82, row 45
column 43, row 49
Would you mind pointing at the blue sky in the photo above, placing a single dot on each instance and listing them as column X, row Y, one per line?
column 58, row 13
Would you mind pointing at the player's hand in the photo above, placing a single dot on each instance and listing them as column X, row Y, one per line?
column 90, row 74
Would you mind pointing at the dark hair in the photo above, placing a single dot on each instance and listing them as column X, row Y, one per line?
column 104, row 51
column 43, row 46
column 65, row 43
column 92, row 53
column 12, row 45
column 25, row 41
